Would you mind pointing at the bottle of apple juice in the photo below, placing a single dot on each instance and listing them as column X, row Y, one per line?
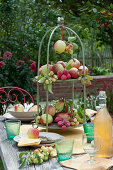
column 103, row 127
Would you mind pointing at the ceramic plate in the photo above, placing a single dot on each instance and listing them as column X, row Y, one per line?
column 22, row 114
column 51, row 137
column 10, row 117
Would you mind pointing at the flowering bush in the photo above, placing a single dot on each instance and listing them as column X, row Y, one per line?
column 14, row 72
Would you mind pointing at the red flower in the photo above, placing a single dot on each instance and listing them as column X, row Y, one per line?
column 25, row 59
column 7, row 55
column 2, row 63
column 34, row 85
column 32, row 61
column 33, row 67
column 19, row 62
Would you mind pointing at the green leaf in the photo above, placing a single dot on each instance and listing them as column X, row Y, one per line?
column 42, row 80
column 24, row 163
column 75, row 46
column 63, row 108
column 38, row 157
column 68, row 67
column 22, row 153
column 21, row 159
column 71, row 103
column 50, row 88
column 70, row 39
column 45, row 86
column 39, row 77
column 80, row 112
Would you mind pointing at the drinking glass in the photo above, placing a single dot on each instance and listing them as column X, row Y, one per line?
column 91, row 145
column 88, row 127
column 12, row 128
column 64, row 149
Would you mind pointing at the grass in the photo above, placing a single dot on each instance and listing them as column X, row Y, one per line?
column 1, row 165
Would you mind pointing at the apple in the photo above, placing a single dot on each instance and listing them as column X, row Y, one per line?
column 81, row 71
column 63, row 116
column 36, row 151
column 74, row 73
column 63, row 63
column 74, row 63
column 38, row 119
column 61, row 106
column 43, row 69
column 74, row 119
column 59, row 46
column 33, row 133
column 34, row 109
column 43, row 119
column 57, row 67
column 51, row 110
column 19, row 108
column 40, row 70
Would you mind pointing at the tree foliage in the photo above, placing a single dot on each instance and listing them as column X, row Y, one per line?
column 22, row 25
column 94, row 14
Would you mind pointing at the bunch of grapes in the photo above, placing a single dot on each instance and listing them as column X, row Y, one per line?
column 38, row 156
column 62, row 123
column 63, row 75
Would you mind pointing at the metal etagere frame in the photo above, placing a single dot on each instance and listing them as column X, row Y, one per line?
column 52, row 31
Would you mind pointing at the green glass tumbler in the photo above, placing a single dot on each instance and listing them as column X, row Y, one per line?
column 89, row 129
column 64, row 149
column 12, row 128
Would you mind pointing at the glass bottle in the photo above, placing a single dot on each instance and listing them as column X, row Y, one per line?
column 103, row 127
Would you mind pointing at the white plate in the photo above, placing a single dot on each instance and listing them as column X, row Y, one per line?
column 22, row 114
column 10, row 117
column 50, row 136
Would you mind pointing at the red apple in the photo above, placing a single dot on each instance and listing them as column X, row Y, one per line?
column 74, row 63
column 63, row 63
column 81, row 70
column 63, row 116
column 51, row 110
column 74, row 73
column 43, row 119
column 57, row 67
column 40, row 70
column 19, row 108
column 33, row 133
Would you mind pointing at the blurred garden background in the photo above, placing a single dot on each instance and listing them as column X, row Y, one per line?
column 24, row 22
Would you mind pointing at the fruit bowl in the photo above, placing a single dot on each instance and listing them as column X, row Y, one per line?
column 54, row 126
column 22, row 114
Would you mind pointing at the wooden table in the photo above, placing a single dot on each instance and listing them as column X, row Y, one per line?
column 9, row 153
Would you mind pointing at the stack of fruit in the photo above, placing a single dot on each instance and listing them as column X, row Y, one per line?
column 62, row 70
column 61, row 114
